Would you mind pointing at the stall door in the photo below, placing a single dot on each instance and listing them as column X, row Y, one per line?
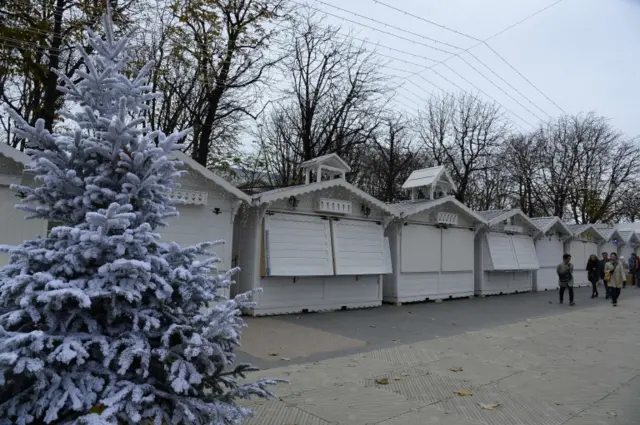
column 297, row 245
column 197, row 224
column 609, row 247
column 420, row 249
column 359, row 247
column 525, row 252
column 578, row 252
column 550, row 251
column 625, row 251
column 457, row 261
column 501, row 251
column 590, row 249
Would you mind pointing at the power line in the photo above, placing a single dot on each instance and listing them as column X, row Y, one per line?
column 499, row 88
column 485, row 42
column 371, row 28
column 390, row 26
column 406, row 78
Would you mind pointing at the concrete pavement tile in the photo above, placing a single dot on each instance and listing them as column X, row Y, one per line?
column 404, row 355
column 622, row 407
column 352, row 404
column 421, row 386
column 301, row 379
column 280, row 413
column 353, row 368
column 556, row 388
column 610, row 353
column 512, row 409
column 458, row 345
column 428, row 416
column 474, row 369
column 264, row 336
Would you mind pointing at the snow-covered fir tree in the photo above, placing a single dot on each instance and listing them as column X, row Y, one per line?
column 100, row 322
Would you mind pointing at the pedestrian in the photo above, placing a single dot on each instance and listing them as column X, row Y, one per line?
column 565, row 278
column 626, row 266
column 637, row 268
column 614, row 270
column 633, row 269
column 605, row 282
column 593, row 273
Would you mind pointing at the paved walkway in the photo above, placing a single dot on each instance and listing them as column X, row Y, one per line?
column 577, row 368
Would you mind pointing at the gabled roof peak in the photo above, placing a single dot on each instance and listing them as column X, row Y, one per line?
column 330, row 166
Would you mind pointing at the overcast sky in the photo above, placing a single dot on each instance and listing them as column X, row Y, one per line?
column 583, row 54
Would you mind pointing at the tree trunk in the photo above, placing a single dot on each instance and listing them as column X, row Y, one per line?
column 51, row 93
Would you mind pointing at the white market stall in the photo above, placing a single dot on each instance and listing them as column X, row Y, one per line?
column 506, row 257
column 611, row 242
column 585, row 239
column 629, row 245
column 550, row 244
column 208, row 207
column 14, row 228
column 431, row 242
column 313, row 247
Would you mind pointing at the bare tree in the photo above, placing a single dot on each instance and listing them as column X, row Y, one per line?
column 607, row 165
column 390, row 160
column 221, row 51
column 462, row 132
column 332, row 101
column 38, row 42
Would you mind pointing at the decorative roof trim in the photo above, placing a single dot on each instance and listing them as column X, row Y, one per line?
column 279, row 194
column 421, row 206
column 211, row 176
column 325, row 158
column 189, row 197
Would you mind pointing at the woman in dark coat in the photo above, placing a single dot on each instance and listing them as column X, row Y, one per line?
column 593, row 272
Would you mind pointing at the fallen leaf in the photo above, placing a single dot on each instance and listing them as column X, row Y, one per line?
column 612, row 413
column 456, row 369
column 286, row 359
column 382, row 381
column 488, row 406
column 463, row 393
column 273, row 354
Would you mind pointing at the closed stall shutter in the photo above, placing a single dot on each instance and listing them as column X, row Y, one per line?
column 457, row 250
column 549, row 251
column 609, row 247
column 503, row 256
column 525, row 252
column 358, row 247
column 420, row 250
column 197, row 224
column 296, row 245
column 577, row 251
column 590, row 248
column 387, row 256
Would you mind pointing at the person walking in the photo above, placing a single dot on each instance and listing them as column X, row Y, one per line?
column 605, row 282
column 633, row 269
column 614, row 269
column 593, row 273
column 565, row 278
column 637, row 268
